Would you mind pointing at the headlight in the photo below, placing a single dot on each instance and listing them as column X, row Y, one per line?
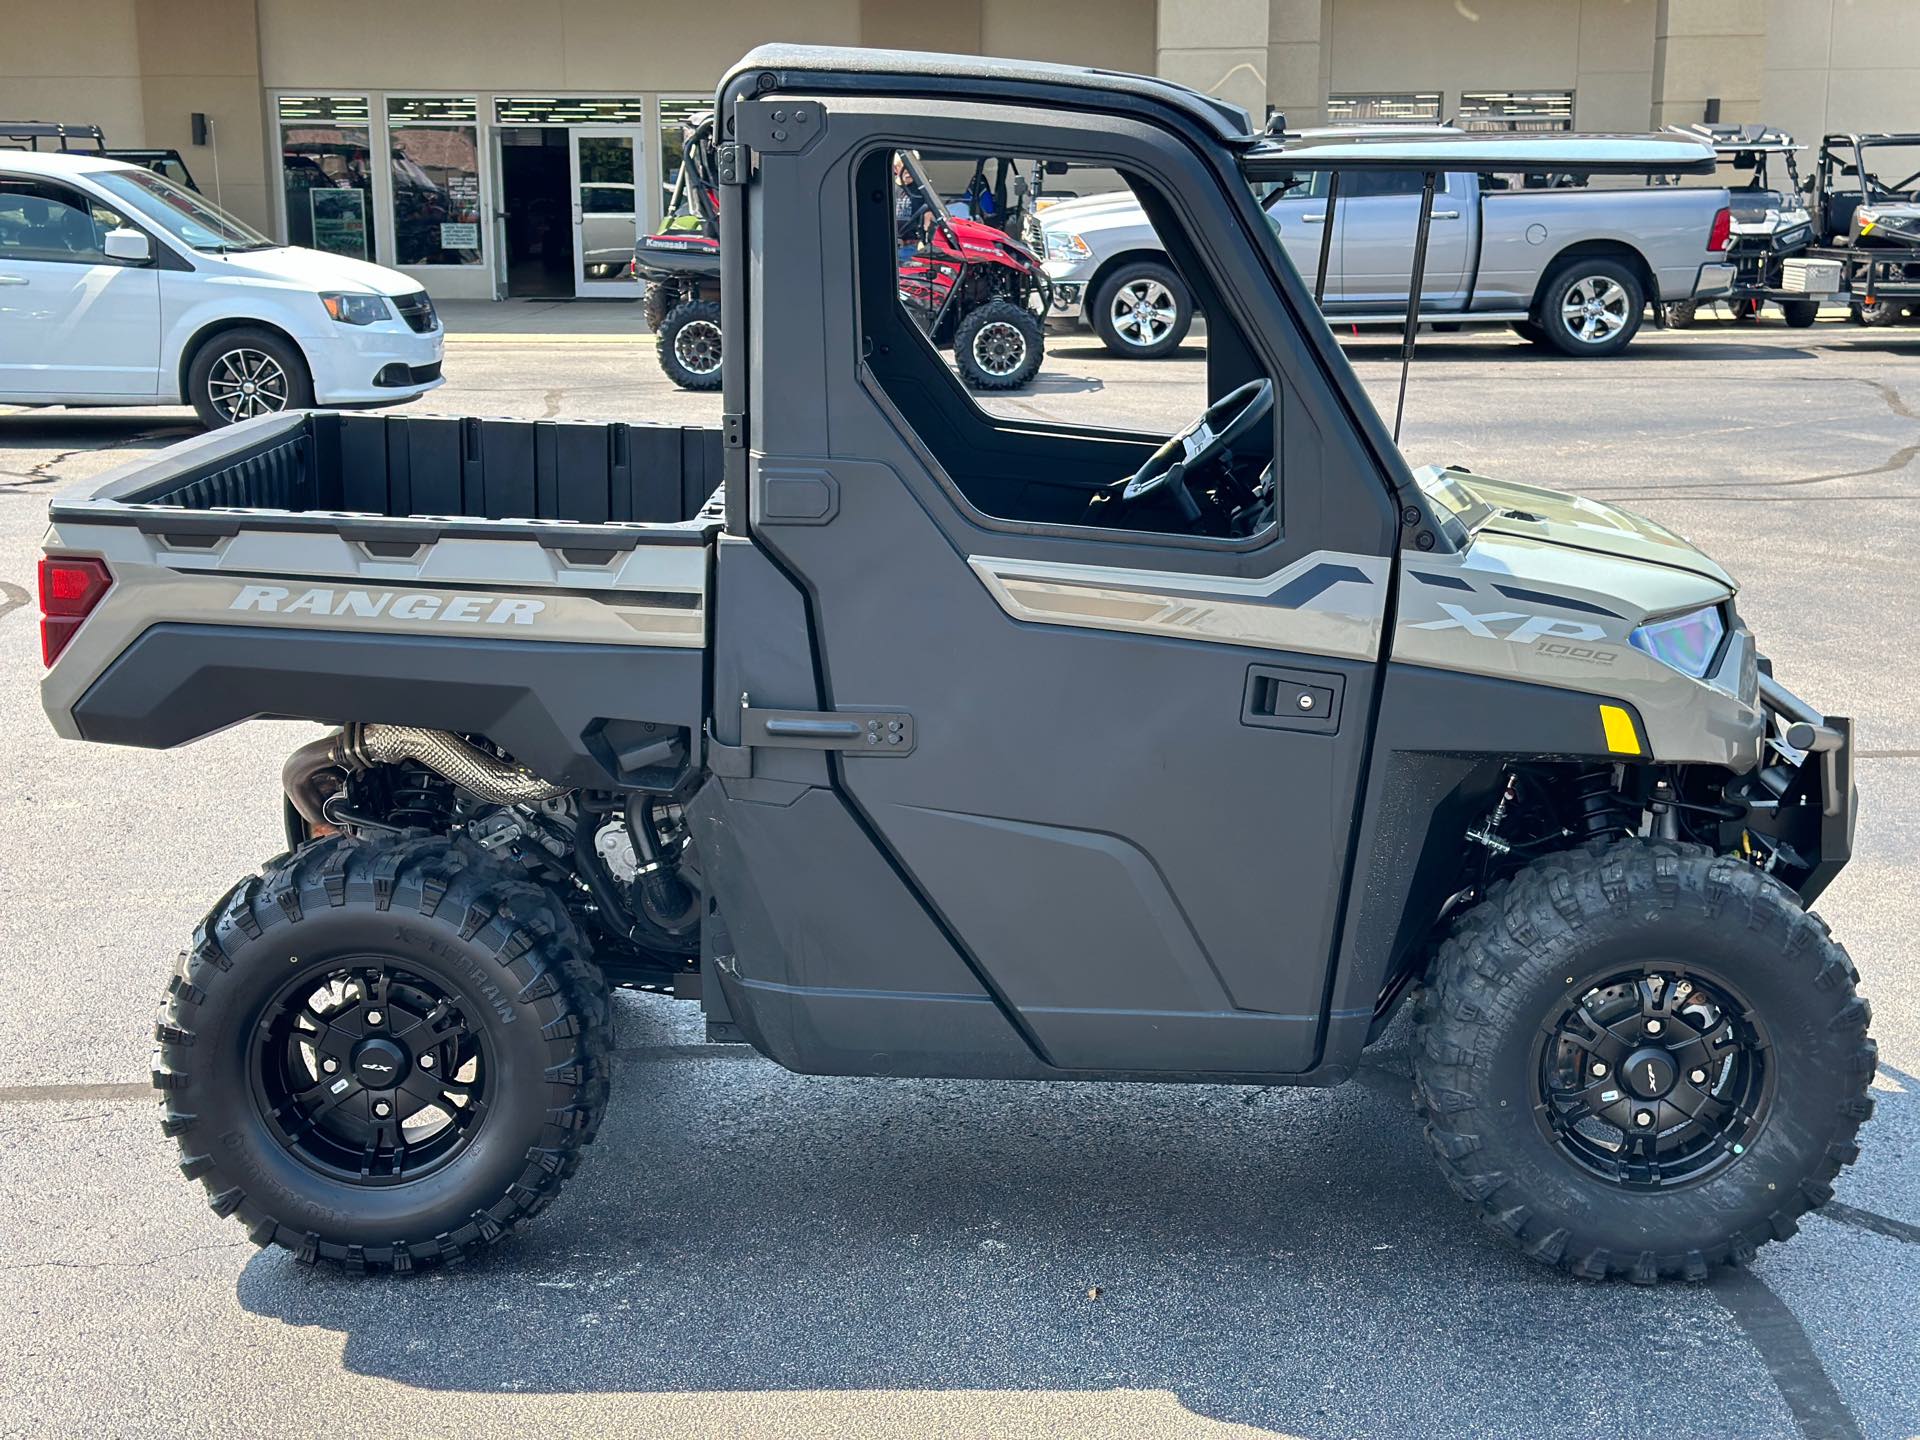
column 1059, row 242
column 357, row 309
column 1687, row 642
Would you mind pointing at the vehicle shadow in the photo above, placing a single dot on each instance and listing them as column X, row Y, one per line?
column 71, row 430
column 1259, row 1254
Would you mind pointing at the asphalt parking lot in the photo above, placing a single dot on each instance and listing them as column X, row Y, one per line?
column 751, row 1253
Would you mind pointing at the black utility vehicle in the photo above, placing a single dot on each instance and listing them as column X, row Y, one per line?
column 947, row 744
column 1866, row 202
column 89, row 140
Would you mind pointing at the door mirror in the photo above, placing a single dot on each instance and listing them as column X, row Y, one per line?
column 130, row 246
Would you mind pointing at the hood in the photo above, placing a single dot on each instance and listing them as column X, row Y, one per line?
column 1895, row 220
column 1092, row 210
column 1557, row 518
column 317, row 270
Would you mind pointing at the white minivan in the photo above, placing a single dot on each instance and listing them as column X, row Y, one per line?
column 119, row 287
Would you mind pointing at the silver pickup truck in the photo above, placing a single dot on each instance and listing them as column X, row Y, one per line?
column 1568, row 267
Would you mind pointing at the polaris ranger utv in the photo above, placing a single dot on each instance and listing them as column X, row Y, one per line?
column 946, row 744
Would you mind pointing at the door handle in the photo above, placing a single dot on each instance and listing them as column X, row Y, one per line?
column 1446, row 215
column 13, row 280
column 1312, row 219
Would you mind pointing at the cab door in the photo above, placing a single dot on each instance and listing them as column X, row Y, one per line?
column 72, row 321
column 1299, row 211
column 1380, row 212
column 1118, row 770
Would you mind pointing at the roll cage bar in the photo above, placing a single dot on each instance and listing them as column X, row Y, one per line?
column 1436, row 154
column 1860, row 143
column 27, row 134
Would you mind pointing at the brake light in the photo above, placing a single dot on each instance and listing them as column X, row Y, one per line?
column 1722, row 234
column 70, row 587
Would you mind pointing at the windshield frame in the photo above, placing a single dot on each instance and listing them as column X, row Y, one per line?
column 184, row 215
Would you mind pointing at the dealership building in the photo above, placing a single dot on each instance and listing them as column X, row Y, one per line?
column 524, row 144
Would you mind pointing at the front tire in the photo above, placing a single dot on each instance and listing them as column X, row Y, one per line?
column 1142, row 311
column 245, row 373
column 1591, row 308
column 690, row 345
column 1741, row 1079
column 999, row 346
column 383, row 1055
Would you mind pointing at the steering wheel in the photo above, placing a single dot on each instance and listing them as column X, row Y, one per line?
column 1234, row 417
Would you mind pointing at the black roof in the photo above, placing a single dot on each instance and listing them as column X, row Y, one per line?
column 922, row 72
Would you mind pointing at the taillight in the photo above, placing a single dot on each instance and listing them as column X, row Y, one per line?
column 70, row 587
column 1722, row 234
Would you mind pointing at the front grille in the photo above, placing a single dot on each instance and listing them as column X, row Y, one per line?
column 417, row 310
column 1036, row 237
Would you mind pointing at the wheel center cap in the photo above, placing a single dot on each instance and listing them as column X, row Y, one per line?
column 379, row 1063
column 1649, row 1073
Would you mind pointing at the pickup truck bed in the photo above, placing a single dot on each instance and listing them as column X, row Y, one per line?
column 551, row 576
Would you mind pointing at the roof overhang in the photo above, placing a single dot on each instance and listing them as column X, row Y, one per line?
column 1500, row 152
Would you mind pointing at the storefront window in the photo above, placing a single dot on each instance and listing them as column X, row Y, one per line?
column 1421, row 107
column 326, row 173
column 1516, row 110
column 675, row 110
column 569, row 110
column 436, row 181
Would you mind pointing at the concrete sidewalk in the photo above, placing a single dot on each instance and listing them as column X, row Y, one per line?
column 607, row 321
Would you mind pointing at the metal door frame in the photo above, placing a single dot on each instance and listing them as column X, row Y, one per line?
column 637, row 135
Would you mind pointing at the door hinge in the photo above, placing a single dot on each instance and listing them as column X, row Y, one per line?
column 855, row 732
column 733, row 432
column 732, row 163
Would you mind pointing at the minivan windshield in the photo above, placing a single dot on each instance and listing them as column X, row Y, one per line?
column 190, row 218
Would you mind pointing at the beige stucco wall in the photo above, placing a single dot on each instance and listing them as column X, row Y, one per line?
column 1834, row 65
column 55, row 66
column 1602, row 50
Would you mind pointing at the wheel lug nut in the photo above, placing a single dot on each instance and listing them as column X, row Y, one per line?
column 374, row 1017
column 382, row 1109
column 1599, row 1068
column 1698, row 1077
column 1654, row 1027
column 426, row 1062
column 1643, row 1119
column 329, row 1065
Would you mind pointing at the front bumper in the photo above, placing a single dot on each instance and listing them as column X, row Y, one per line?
column 1069, row 281
column 1802, row 797
column 374, row 364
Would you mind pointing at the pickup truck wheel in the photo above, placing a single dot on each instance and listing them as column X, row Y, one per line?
column 1591, row 308
column 689, row 345
column 999, row 346
column 383, row 1055
column 240, row 374
column 1142, row 311
column 1641, row 1059
column 1800, row 314
column 1528, row 331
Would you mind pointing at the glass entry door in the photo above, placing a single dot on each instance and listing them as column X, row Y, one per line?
column 609, row 206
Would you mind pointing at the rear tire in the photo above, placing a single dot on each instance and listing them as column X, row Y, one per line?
column 690, row 345
column 244, row 373
column 1530, row 989
column 1800, row 314
column 455, row 1003
column 1682, row 314
column 999, row 346
column 1609, row 301
column 1142, row 311
column 1881, row 313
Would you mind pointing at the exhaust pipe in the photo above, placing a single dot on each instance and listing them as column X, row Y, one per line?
column 360, row 747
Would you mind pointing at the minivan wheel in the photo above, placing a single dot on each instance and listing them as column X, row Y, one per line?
column 1641, row 1059
column 383, row 1055
column 690, row 346
column 242, row 374
column 1591, row 307
column 1142, row 311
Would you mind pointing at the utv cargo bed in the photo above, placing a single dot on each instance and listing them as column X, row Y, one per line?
column 551, row 575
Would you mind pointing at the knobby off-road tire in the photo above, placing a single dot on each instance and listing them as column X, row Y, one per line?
column 999, row 346
column 1541, row 943
column 486, row 998
column 690, row 345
